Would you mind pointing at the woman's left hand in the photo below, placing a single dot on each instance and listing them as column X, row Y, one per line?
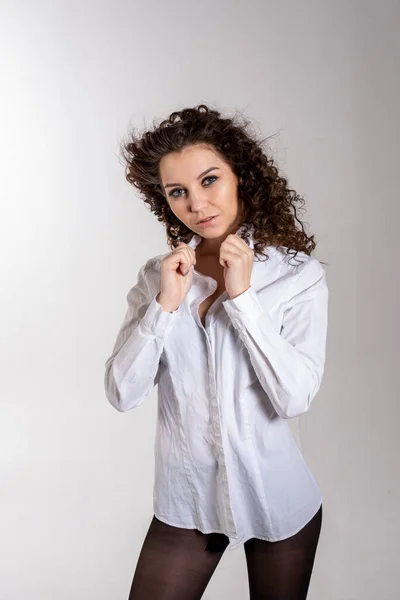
column 237, row 259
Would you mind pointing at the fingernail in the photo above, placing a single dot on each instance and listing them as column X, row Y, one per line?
column 186, row 272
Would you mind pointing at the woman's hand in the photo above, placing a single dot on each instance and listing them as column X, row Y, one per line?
column 174, row 283
column 237, row 259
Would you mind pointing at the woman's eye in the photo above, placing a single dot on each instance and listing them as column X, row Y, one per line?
column 210, row 177
column 173, row 195
column 173, row 192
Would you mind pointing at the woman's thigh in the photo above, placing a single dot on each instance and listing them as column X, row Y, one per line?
column 282, row 570
column 175, row 563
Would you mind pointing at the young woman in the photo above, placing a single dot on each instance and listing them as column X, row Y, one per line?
column 231, row 324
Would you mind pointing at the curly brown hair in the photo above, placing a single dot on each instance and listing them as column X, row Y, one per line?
column 268, row 204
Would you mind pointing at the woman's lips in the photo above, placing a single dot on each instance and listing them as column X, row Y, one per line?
column 208, row 223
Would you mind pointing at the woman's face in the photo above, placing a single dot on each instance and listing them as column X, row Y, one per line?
column 198, row 184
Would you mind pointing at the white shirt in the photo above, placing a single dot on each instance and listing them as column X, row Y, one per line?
column 225, row 457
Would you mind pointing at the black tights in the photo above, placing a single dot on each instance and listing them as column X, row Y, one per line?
column 177, row 563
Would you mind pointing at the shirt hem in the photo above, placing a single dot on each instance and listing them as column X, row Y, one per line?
column 202, row 530
column 273, row 538
column 234, row 546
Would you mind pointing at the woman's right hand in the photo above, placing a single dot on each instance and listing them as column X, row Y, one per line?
column 174, row 283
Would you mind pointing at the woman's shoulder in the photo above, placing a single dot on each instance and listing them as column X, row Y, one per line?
column 153, row 264
column 291, row 260
column 293, row 272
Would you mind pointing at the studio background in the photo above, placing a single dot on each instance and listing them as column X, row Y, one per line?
column 321, row 78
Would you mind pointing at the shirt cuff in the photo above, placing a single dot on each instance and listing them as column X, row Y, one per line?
column 159, row 321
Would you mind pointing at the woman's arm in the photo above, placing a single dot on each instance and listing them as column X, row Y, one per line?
column 133, row 367
column 289, row 364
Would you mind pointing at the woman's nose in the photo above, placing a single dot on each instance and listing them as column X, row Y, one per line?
column 198, row 201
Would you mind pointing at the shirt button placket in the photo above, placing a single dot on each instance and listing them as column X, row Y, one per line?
column 216, row 424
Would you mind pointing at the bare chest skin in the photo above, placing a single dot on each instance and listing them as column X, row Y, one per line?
column 212, row 268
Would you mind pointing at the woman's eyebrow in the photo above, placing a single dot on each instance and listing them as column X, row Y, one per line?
column 198, row 177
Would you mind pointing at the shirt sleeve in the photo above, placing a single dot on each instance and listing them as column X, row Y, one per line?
column 132, row 370
column 289, row 363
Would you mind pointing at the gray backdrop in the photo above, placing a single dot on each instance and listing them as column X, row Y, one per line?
column 76, row 475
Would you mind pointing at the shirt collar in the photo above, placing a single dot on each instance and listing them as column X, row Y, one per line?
column 196, row 238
